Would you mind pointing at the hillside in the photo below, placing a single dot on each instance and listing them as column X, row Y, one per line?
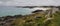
column 36, row 19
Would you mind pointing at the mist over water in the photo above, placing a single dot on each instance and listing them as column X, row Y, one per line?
column 4, row 11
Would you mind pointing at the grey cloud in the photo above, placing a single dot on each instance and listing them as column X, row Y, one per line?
column 5, row 0
column 30, row 2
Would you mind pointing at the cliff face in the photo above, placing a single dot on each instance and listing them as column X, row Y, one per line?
column 6, row 21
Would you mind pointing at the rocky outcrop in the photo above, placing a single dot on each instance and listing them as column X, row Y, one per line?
column 7, row 20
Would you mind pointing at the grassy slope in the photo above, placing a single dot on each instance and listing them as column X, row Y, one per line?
column 30, row 20
column 57, row 18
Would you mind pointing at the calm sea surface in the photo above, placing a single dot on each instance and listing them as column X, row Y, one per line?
column 4, row 11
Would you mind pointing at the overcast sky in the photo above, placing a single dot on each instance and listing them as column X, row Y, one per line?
column 29, row 2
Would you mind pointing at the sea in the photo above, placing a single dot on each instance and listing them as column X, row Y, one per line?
column 12, row 10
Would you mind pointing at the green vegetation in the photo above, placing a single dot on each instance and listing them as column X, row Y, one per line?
column 30, row 20
column 36, row 19
column 57, row 18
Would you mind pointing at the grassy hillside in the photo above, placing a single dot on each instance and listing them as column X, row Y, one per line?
column 57, row 18
column 37, row 20
column 30, row 20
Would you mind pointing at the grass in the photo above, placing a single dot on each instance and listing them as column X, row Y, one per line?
column 37, row 20
column 57, row 18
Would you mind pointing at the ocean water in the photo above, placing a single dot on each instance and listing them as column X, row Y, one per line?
column 9, row 10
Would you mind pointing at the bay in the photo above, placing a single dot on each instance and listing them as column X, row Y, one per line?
column 10, row 10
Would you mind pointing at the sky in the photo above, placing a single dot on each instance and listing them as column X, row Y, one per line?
column 29, row 2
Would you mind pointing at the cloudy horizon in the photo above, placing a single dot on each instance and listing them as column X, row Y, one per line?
column 29, row 2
